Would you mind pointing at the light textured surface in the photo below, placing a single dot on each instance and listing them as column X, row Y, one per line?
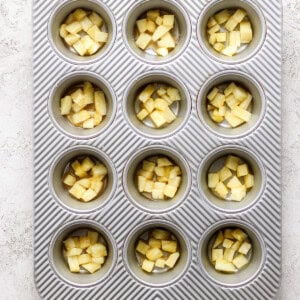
column 16, row 280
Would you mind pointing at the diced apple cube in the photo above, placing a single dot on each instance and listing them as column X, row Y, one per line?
column 160, row 234
column 162, row 51
column 96, row 19
column 77, row 96
column 88, row 92
column 77, row 190
column 216, row 254
column 228, row 234
column 172, row 259
column 170, row 191
column 227, row 243
column 149, row 186
column 69, row 180
column 86, row 24
column 246, row 103
column 174, row 94
column 225, row 173
column 221, row 37
column 169, row 246
column 166, row 41
column 85, row 182
column 249, row 181
column 239, row 235
column 241, row 113
column 78, row 170
column 222, row 16
column 159, row 20
column 240, row 261
column 224, row 266
column 143, row 114
column 160, row 31
column 73, row 252
column 99, row 170
column 245, row 248
column 218, row 100
column 71, row 39
column 229, row 254
column 236, row 245
column 74, row 27
column 153, row 254
column 148, row 265
column 168, row 20
column 81, row 116
column 70, row 243
column 232, row 162
column 213, row 180
column 91, row 267
column 73, row 264
column 175, row 181
column 229, row 89
column 221, row 190
column 89, row 124
column 246, row 32
column 234, row 183
column 154, row 243
column 229, row 50
column 211, row 22
column 160, row 104
column 87, row 42
column 142, row 247
column 153, row 14
column 143, row 40
column 213, row 39
column 160, row 263
column 97, row 35
column 80, row 48
column 233, row 120
column 87, row 164
column 84, row 259
column 219, row 47
column 141, row 25
column 157, row 194
column 98, row 250
column 214, row 29
column 70, row 19
column 219, row 239
column 239, row 93
column 231, row 101
column 235, row 38
column 88, row 195
column 94, row 48
column 149, row 105
column 141, row 183
column 100, row 103
column 238, row 194
column 151, row 26
column 174, row 171
column 93, row 236
column 63, row 31
column 157, row 118
column 84, row 242
column 98, row 260
column 213, row 93
column 79, row 14
column 242, row 170
column 147, row 93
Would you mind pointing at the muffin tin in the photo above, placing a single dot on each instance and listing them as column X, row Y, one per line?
column 120, row 214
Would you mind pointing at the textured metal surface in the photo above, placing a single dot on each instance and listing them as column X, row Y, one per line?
column 194, row 216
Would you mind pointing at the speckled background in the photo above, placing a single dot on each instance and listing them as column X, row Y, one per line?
column 16, row 259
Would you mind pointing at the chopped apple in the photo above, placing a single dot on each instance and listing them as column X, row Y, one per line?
column 242, row 170
column 154, row 253
column 249, row 181
column 227, row 243
column 245, row 248
column 224, row 174
column 148, row 265
column 143, row 40
column 160, row 234
column 240, row 261
column 224, row 266
column 229, row 254
column 232, row 162
column 246, row 32
column 69, row 180
column 239, row 234
column 221, row 190
column 234, row 183
column 238, row 193
column 141, row 25
column 93, row 236
column 160, row 32
column 84, row 259
column 222, row 16
column 160, row 263
column 73, row 264
column 217, row 254
column 169, row 246
column 171, row 261
column 96, row 19
column 219, row 239
column 91, row 267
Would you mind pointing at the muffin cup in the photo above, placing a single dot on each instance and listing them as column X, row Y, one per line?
column 130, row 183
column 157, row 280
column 182, row 28
column 181, row 108
column 258, row 25
column 258, row 107
column 59, row 15
column 60, row 266
column 216, row 159
column 60, row 193
column 245, row 275
column 59, row 91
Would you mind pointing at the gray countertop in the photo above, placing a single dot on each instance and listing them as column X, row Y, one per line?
column 16, row 259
